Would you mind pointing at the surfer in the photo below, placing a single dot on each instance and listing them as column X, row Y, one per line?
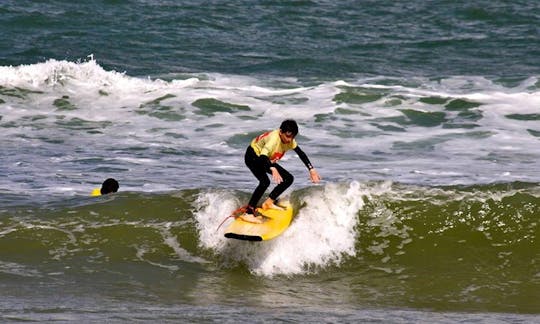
column 261, row 158
column 109, row 186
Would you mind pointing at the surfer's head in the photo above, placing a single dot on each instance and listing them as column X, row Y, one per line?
column 109, row 185
column 288, row 130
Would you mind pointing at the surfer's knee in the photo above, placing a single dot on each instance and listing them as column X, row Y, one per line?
column 288, row 179
column 264, row 182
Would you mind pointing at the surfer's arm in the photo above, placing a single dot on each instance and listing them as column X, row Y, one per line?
column 303, row 157
column 313, row 174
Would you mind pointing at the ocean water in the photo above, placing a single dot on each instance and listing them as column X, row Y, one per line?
column 423, row 118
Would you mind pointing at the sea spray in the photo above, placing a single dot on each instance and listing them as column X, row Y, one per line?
column 322, row 233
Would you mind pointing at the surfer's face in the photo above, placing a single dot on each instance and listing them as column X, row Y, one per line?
column 286, row 137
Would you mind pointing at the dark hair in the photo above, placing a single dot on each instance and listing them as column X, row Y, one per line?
column 109, row 185
column 289, row 126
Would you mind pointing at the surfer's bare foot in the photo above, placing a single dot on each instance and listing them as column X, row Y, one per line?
column 269, row 204
column 250, row 218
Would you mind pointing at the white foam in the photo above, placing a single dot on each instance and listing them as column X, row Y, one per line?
column 322, row 233
column 18, row 270
column 115, row 120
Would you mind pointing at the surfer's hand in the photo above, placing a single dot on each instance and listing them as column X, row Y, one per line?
column 276, row 176
column 314, row 176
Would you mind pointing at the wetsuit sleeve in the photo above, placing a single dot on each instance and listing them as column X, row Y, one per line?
column 303, row 157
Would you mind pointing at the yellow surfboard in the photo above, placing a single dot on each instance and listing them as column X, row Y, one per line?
column 275, row 222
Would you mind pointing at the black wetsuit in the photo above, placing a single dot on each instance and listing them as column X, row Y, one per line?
column 260, row 167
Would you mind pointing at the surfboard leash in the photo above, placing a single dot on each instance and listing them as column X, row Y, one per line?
column 235, row 214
